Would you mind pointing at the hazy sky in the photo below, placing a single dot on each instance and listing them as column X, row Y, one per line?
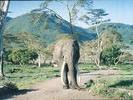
column 120, row 11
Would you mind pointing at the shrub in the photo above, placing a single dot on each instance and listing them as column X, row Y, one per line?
column 22, row 56
column 110, row 55
column 10, row 85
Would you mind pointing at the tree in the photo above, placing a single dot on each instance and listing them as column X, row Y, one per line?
column 4, row 5
column 108, row 38
column 88, row 51
column 95, row 17
column 73, row 7
column 125, row 57
column 33, row 43
column 22, row 56
column 110, row 55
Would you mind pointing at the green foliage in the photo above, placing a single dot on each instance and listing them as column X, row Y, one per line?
column 32, row 55
column 22, row 56
column 10, row 85
column 126, row 67
column 94, row 16
column 87, row 67
column 110, row 55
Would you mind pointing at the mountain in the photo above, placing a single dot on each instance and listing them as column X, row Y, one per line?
column 48, row 26
column 126, row 31
column 8, row 19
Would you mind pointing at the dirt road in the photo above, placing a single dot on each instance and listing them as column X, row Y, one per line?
column 52, row 89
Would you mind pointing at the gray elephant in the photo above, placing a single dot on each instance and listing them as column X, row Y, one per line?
column 66, row 53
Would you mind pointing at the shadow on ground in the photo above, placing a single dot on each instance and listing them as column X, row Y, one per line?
column 8, row 93
column 123, row 83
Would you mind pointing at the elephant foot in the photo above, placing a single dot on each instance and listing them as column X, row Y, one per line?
column 74, row 87
column 65, row 87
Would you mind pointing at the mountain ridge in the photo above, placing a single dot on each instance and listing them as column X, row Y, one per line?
column 47, row 26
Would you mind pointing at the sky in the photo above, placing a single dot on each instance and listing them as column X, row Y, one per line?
column 120, row 11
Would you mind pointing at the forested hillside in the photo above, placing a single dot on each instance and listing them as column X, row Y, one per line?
column 46, row 25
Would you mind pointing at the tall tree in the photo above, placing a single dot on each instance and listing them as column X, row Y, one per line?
column 4, row 5
column 96, row 17
column 73, row 8
column 108, row 38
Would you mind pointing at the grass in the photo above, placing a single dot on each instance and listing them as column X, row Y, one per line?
column 115, row 86
column 126, row 67
column 112, row 88
column 87, row 68
column 27, row 75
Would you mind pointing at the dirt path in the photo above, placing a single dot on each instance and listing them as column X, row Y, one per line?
column 52, row 89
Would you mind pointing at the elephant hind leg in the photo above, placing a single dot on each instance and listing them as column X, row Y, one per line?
column 73, row 78
column 64, row 75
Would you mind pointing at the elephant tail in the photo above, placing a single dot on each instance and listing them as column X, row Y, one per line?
column 62, row 72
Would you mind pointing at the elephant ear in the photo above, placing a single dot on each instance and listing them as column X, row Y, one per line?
column 57, row 52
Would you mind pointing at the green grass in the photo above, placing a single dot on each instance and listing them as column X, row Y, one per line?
column 118, row 86
column 27, row 75
column 87, row 68
column 126, row 67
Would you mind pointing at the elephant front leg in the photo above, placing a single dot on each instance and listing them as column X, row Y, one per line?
column 64, row 76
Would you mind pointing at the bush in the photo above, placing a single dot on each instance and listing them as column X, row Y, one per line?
column 110, row 55
column 10, row 85
column 22, row 56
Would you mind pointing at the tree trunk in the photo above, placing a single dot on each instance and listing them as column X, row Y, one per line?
column 70, row 20
column 1, row 64
column 4, row 5
column 98, row 48
column 39, row 60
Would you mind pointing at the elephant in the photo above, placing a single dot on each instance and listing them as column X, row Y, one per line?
column 66, row 53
